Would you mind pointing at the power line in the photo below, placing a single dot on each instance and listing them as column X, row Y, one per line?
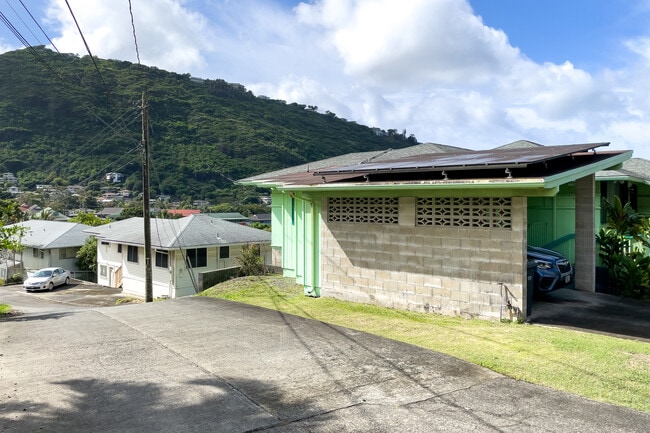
column 117, row 129
column 135, row 38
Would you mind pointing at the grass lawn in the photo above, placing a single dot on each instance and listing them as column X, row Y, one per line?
column 599, row 367
column 4, row 309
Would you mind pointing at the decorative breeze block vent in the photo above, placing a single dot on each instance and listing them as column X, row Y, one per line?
column 370, row 210
column 480, row 212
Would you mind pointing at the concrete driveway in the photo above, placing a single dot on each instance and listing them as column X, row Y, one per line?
column 593, row 312
column 206, row 365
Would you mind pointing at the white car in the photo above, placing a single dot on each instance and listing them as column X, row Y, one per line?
column 47, row 279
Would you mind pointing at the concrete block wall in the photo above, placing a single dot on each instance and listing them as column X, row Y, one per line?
column 463, row 271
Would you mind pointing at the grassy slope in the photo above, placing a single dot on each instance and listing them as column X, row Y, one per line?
column 599, row 367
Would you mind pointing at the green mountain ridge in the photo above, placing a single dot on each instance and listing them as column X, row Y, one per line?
column 66, row 119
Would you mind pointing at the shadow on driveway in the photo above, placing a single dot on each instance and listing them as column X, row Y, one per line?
column 593, row 312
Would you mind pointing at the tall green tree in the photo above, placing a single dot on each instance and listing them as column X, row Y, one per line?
column 10, row 212
column 87, row 255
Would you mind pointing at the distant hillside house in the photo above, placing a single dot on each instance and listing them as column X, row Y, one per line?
column 184, row 250
column 115, row 177
column 8, row 178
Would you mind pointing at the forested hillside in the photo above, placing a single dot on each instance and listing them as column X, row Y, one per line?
column 69, row 120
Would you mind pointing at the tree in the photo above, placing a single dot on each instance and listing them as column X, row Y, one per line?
column 134, row 210
column 10, row 212
column 89, row 219
column 87, row 255
column 10, row 240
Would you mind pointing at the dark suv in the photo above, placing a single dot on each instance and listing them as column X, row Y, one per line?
column 552, row 271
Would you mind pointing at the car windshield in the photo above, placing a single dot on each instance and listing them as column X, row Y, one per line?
column 41, row 274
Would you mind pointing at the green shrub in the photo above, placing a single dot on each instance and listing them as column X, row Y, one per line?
column 15, row 279
column 250, row 261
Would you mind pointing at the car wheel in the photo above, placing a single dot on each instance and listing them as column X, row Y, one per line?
column 67, row 280
column 50, row 286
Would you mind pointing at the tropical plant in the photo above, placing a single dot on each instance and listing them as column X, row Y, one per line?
column 623, row 242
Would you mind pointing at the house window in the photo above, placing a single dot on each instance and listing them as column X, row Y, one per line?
column 102, row 270
column 367, row 210
column 132, row 254
column 224, row 252
column 37, row 254
column 162, row 259
column 119, row 248
column 197, row 257
column 477, row 212
column 67, row 253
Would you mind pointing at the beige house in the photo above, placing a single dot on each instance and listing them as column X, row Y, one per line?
column 182, row 250
column 51, row 243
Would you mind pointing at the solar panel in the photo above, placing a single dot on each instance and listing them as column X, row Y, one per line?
column 509, row 158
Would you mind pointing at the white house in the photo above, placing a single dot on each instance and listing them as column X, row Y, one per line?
column 182, row 249
column 52, row 243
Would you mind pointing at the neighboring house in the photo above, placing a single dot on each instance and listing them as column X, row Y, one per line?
column 182, row 212
column 110, row 212
column 233, row 217
column 262, row 218
column 430, row 227
column 38, row 213
column 181, row 250
column 52, row 243
column 630, row 182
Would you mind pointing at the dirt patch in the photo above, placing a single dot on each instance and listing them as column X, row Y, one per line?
column 12, row 313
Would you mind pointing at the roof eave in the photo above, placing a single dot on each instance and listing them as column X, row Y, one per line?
column 589, row 169
column 527, row 187
column 623, row 178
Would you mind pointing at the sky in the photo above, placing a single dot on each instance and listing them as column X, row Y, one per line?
column 469, row 73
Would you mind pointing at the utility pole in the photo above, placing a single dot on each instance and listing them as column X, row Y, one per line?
column 145, row 200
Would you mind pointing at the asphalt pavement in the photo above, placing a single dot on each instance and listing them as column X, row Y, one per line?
column 207, row 365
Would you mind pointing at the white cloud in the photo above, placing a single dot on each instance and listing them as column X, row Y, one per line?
column 4, row 48
column 401, row 44
column 169, row 36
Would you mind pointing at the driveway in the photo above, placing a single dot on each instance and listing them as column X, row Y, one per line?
column 593, row 312
column 199, row 364
column 77, row 294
